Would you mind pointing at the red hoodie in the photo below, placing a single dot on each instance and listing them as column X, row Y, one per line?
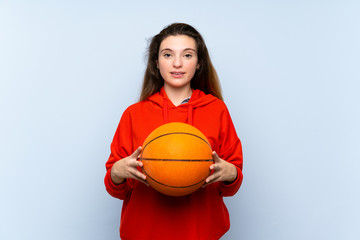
column 148, row 214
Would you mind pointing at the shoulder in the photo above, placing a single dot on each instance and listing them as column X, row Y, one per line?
column 130, row 111
column 217, row 105
column 220, row 103
column 220, row 110
column 136, row 107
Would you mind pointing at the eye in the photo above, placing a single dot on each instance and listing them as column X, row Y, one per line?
column 167, row 55
column 188, row 55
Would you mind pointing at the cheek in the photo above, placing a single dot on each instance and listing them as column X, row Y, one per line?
column 163, row 68
column 191, row 67
column 162, row 64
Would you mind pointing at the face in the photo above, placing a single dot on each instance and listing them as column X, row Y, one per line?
column 178, row 61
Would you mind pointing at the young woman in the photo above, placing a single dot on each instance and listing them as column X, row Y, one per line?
column 180, row 85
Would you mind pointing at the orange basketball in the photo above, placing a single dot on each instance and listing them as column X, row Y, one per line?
column 176, row 158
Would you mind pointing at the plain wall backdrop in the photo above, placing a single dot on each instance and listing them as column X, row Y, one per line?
column 290, row 77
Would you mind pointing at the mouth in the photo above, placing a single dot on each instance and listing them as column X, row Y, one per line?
column 177, row 74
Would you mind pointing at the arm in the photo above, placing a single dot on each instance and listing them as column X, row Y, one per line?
column 127, row 168
column 227, row 172
column 233, row 156
column 228, row 161
column 122, row 164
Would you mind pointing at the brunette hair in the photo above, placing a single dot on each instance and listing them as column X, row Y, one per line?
column 205, row 78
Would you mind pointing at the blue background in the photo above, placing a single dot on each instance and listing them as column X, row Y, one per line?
column 290, row 77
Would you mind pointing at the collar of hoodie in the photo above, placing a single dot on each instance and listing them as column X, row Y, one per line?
column 166, row 112
column 198, row 99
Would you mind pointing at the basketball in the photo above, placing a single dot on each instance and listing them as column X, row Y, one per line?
column 176, row 158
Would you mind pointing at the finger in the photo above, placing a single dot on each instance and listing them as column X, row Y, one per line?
column 211, row 179
column 215, row 167
column 135, row 163
column 138, row 174
column 139, row 178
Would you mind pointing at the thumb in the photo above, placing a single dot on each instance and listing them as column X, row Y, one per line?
column 215, row 157
column 136, row 153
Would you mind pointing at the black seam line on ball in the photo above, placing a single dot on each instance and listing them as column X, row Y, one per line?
column 166, row 134
column 176, row 160
column 174, row 186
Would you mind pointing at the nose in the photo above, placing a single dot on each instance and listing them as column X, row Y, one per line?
column 177, row 63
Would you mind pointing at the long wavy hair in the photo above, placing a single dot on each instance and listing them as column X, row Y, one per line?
column 205, row 78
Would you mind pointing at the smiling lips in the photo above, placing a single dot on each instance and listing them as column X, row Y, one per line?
column 177, row 74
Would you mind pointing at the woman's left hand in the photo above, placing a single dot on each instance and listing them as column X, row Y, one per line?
column 223, row 171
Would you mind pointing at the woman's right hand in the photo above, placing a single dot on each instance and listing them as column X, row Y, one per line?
column 127, row 168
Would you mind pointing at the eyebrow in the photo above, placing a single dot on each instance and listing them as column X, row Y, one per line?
column 186, row 49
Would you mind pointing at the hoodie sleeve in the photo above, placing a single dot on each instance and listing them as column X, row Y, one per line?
column 121, row 147
column 231, row 151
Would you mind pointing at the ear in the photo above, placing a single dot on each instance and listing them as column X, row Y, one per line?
column 157, row 64
column 198, row 66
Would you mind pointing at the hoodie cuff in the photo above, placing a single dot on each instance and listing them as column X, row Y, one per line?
column 230, row 188
column 111, row 186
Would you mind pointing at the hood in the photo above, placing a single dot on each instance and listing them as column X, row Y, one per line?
column 198, row 99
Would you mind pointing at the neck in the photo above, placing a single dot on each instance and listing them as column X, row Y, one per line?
column 177, row 95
